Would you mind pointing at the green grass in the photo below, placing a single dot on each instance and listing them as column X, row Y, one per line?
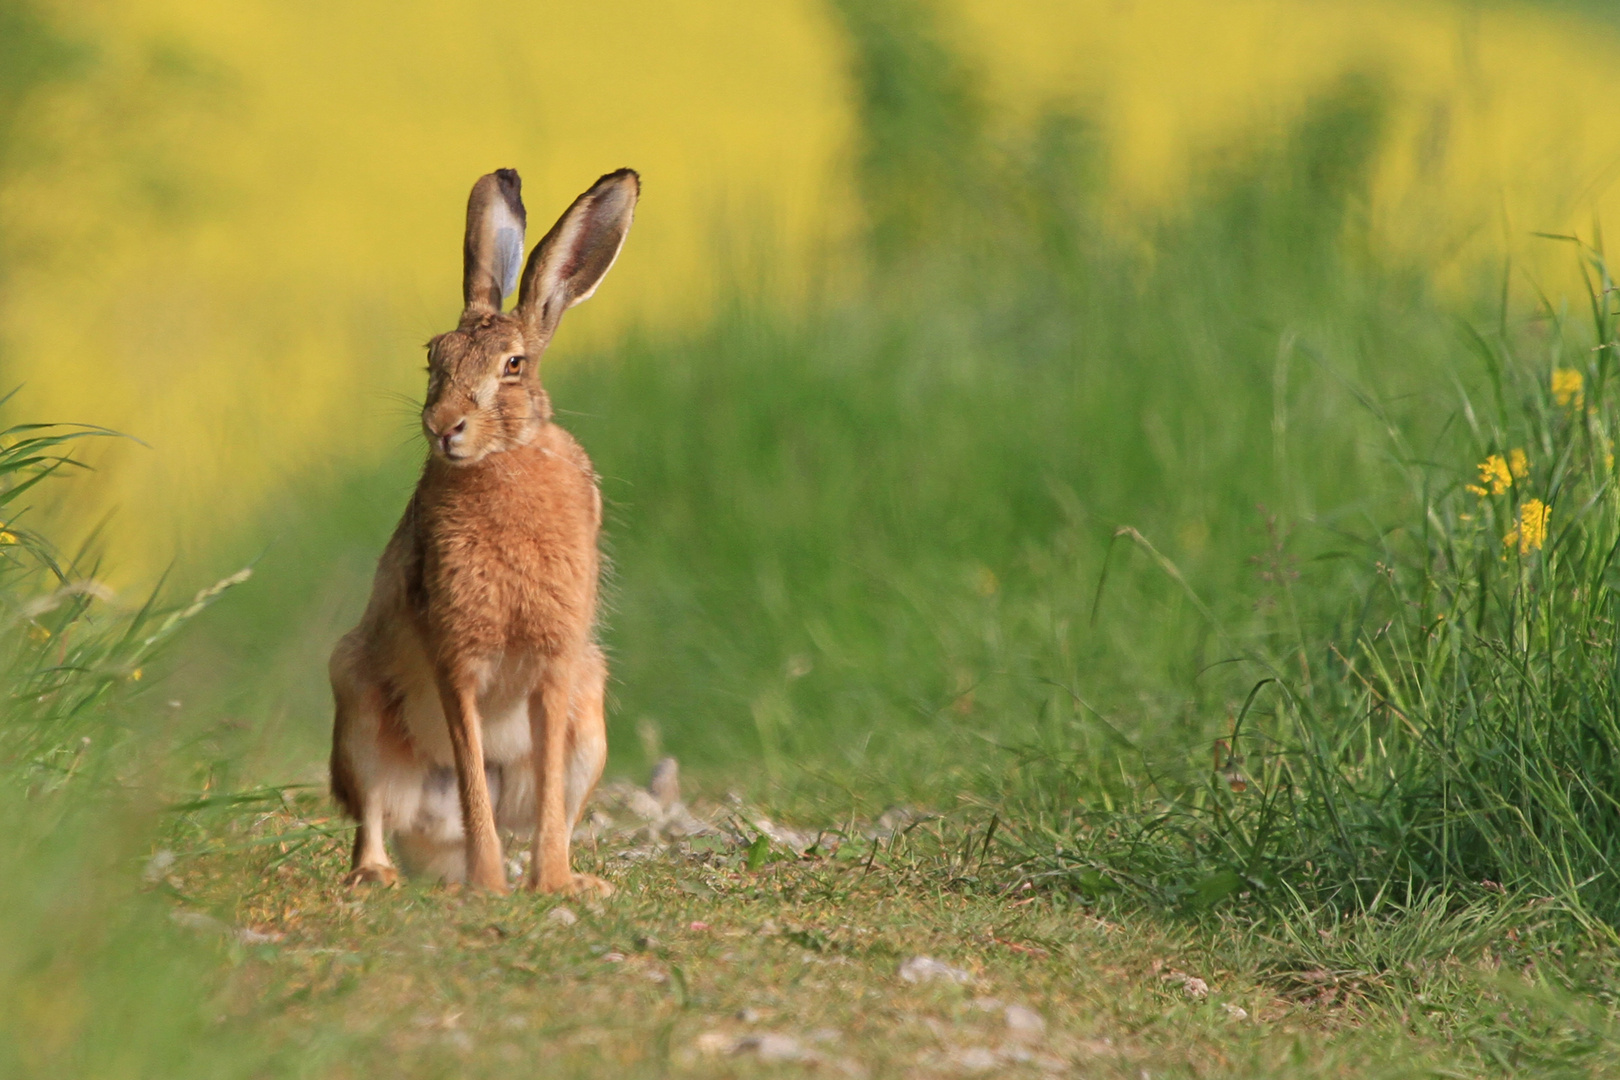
column 1050, row 534
column 93, row 980
column 697, row 952
column 1455, row 724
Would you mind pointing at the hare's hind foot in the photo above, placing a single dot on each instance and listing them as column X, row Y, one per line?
column 369, row 861
column 372, row 874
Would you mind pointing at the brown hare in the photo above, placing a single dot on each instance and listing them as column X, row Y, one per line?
column 469, row 698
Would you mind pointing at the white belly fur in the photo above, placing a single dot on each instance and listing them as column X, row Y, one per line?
column 422, row 799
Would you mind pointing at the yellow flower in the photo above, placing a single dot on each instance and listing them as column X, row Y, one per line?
column 1531, row 531
column 1568, row 388
column 1518, row 463
column 7, row 537
column 135, row 675
column 39, row 633
column 1494, row 477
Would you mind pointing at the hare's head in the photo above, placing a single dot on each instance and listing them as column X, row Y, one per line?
column 484, row 391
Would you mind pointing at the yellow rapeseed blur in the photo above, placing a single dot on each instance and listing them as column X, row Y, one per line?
column 243, row 221
column 1504, row 122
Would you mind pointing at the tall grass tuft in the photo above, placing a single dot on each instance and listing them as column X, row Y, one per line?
column 1453, row 726
column 95, row 979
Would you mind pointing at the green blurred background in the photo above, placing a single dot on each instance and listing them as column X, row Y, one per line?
column 924, row 300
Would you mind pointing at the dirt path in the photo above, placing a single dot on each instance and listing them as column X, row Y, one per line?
column 721, row 955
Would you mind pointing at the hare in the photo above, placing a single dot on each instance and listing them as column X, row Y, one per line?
column 469, row 698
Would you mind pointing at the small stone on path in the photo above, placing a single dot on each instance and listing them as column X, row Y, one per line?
column 772, row 1046
column 1194, row 987
column 665, row 783
column 1023, row 1023
column 644, row 805
column 921, row 969
column 712, row 1042
column 196, row 920
column 975, row 1059
column 158, row 865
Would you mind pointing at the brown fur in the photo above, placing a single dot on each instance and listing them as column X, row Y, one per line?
column 480, row 625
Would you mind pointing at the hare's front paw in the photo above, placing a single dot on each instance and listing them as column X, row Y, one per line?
column 574, row 885
column 372, row 874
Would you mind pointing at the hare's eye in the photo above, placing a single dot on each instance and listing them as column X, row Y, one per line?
column 514, row 366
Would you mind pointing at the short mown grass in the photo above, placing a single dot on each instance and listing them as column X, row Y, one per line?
column 697, row 953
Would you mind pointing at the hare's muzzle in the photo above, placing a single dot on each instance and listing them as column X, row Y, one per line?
column 447, row 434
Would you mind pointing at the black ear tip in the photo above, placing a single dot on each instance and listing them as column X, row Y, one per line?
column 623, row 174
column 510, row 187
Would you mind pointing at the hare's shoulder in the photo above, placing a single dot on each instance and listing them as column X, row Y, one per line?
column 558, row 448
column 550, row 484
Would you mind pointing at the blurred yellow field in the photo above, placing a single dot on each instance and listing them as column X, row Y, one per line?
column 244, row 218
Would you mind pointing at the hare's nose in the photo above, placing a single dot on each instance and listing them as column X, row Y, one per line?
column 447, row 436
column 445, row 432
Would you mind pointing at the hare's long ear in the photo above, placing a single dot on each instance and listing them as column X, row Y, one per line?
column 494, row 248
column 571, row 261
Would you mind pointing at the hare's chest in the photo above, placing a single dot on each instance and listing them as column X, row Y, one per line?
column 516, row 581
